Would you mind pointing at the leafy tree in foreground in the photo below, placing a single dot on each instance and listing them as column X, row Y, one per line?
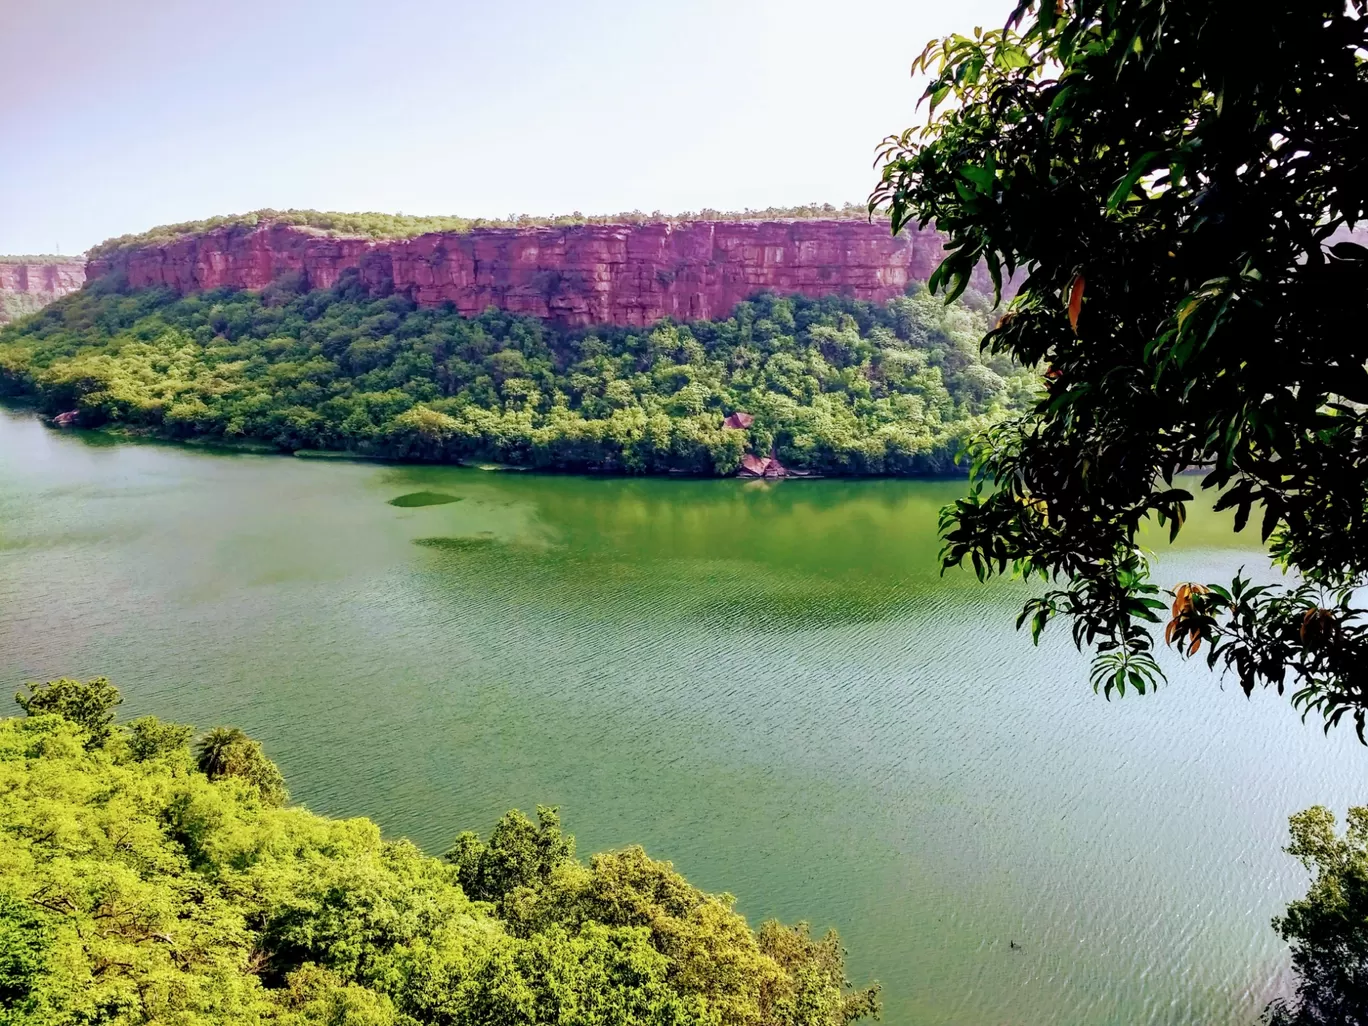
column 1172, row 184
column 90, row 703
column 144, row 882
column 1328, row 928
column 519, row 854
column 228, row 752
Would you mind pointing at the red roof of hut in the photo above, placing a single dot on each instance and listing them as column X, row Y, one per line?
column 738, row 421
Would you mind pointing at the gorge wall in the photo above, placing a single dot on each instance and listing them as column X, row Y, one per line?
column 29, row 285
column 626, row 274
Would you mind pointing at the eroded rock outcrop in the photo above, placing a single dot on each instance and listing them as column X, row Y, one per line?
column 30, row 285
column 629, row 274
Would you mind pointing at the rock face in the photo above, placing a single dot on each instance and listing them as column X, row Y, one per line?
column 238, row 257
column 26, row 286
column 631, row 274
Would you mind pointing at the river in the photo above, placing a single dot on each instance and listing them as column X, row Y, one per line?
column 770, row 685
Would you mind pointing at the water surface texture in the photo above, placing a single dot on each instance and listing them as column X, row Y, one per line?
column 770, row 685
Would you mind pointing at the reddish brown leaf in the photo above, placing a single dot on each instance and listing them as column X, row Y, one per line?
column 1317, row 626
column 1075, row 301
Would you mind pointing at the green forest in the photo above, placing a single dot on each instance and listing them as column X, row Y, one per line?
column 835, row 386
column 149, row 877
column 379, row 225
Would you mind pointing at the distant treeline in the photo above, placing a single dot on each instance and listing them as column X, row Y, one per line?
column 40, row 258
column 835, row 386
column 402, row 226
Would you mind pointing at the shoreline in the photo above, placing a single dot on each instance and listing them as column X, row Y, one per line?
column 249, row 447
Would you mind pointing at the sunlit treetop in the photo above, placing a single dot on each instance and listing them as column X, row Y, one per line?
column 377, row 225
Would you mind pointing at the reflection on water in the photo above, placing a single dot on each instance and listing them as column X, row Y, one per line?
column 474, row 544
column 771, row 685
column 411, row 499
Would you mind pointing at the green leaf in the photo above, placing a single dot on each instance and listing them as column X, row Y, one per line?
column 1270, row 521
column 1127, row 184
column 981, row 177
column 1009, row 58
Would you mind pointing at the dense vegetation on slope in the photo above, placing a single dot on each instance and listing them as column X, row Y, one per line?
column 402, row 226
column 143, row 882
column 837, row 386
column 17, row 305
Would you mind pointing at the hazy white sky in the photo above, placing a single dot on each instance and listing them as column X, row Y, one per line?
column 122, row 114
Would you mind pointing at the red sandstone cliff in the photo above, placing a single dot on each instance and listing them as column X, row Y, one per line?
column 26, row 286
column 631, row 274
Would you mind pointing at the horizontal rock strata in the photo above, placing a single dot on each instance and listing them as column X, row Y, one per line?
column 629, row 274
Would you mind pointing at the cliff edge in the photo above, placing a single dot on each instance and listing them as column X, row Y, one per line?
column 577, row 275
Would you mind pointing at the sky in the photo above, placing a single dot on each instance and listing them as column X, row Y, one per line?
column 124, row 114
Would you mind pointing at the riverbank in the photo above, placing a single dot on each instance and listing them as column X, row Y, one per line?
column 121, row 435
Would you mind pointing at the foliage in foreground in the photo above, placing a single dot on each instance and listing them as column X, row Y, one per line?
column 143, row 883
column 1176, row 183
column 838, row 386
column 1328, row 929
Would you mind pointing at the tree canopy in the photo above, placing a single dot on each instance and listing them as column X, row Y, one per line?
column 1328, row 928
column 836, row 385
column 1173, row 185
column 378, row 225
column 88, row 703
column 142, row 882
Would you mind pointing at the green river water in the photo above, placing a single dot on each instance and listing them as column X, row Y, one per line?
column 770, row 685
